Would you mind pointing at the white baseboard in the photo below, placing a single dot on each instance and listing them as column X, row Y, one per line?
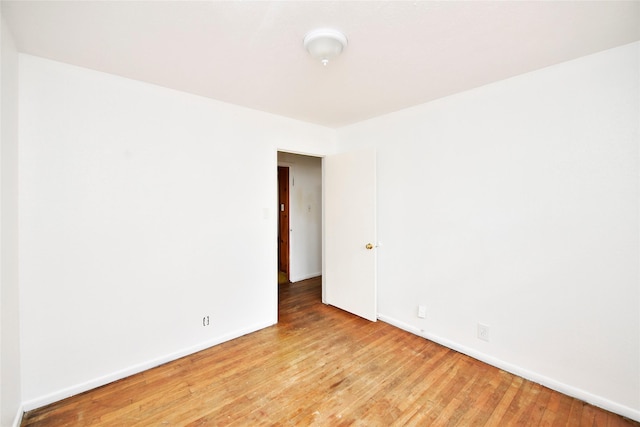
column 18, row 418
column 118, row 375
column 305, row 277
column 575, row 392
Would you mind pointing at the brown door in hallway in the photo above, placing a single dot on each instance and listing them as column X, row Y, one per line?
column 283, row 220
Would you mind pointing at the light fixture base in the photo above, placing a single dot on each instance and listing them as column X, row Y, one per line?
column 325, row 44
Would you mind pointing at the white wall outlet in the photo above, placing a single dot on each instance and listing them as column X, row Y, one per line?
column 483, row 332
column 205, row 321
column 422, row 311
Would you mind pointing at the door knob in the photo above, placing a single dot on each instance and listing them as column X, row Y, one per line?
column 369, row 246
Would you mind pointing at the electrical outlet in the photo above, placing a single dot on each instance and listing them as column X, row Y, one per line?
column 422, row 311
column 205, row 321
column 483, row 332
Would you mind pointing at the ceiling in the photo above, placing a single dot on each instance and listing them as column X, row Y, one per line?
column 248, row 53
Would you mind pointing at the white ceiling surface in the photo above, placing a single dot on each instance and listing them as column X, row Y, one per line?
column 247, row 53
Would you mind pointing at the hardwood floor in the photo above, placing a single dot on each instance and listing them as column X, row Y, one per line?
column 322, row 366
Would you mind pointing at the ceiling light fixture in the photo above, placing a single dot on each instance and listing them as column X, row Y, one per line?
column 325, row 44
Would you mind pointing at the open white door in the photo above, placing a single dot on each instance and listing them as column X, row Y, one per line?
column 350, row 232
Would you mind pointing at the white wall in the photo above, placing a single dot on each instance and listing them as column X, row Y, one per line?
column 516, row 205
column 10, row 393
column 305, row 214
column 142, row 210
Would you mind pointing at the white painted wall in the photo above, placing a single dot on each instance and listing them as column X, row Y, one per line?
column 305, row 214
column 516, row 205
column 142, row 210
column 10, row 392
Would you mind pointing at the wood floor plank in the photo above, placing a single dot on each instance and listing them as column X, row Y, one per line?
column 498, row 412
column 537, row 411
column 322, row 366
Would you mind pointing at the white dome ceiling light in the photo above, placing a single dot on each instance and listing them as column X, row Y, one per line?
column 325, row 44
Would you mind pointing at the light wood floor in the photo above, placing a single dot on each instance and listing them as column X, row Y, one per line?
column 322, row 366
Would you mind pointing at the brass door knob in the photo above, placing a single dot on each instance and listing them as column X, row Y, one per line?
column 369, row 246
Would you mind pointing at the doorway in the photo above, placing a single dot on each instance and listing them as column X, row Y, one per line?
column 299, row 217
column 337, row 192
